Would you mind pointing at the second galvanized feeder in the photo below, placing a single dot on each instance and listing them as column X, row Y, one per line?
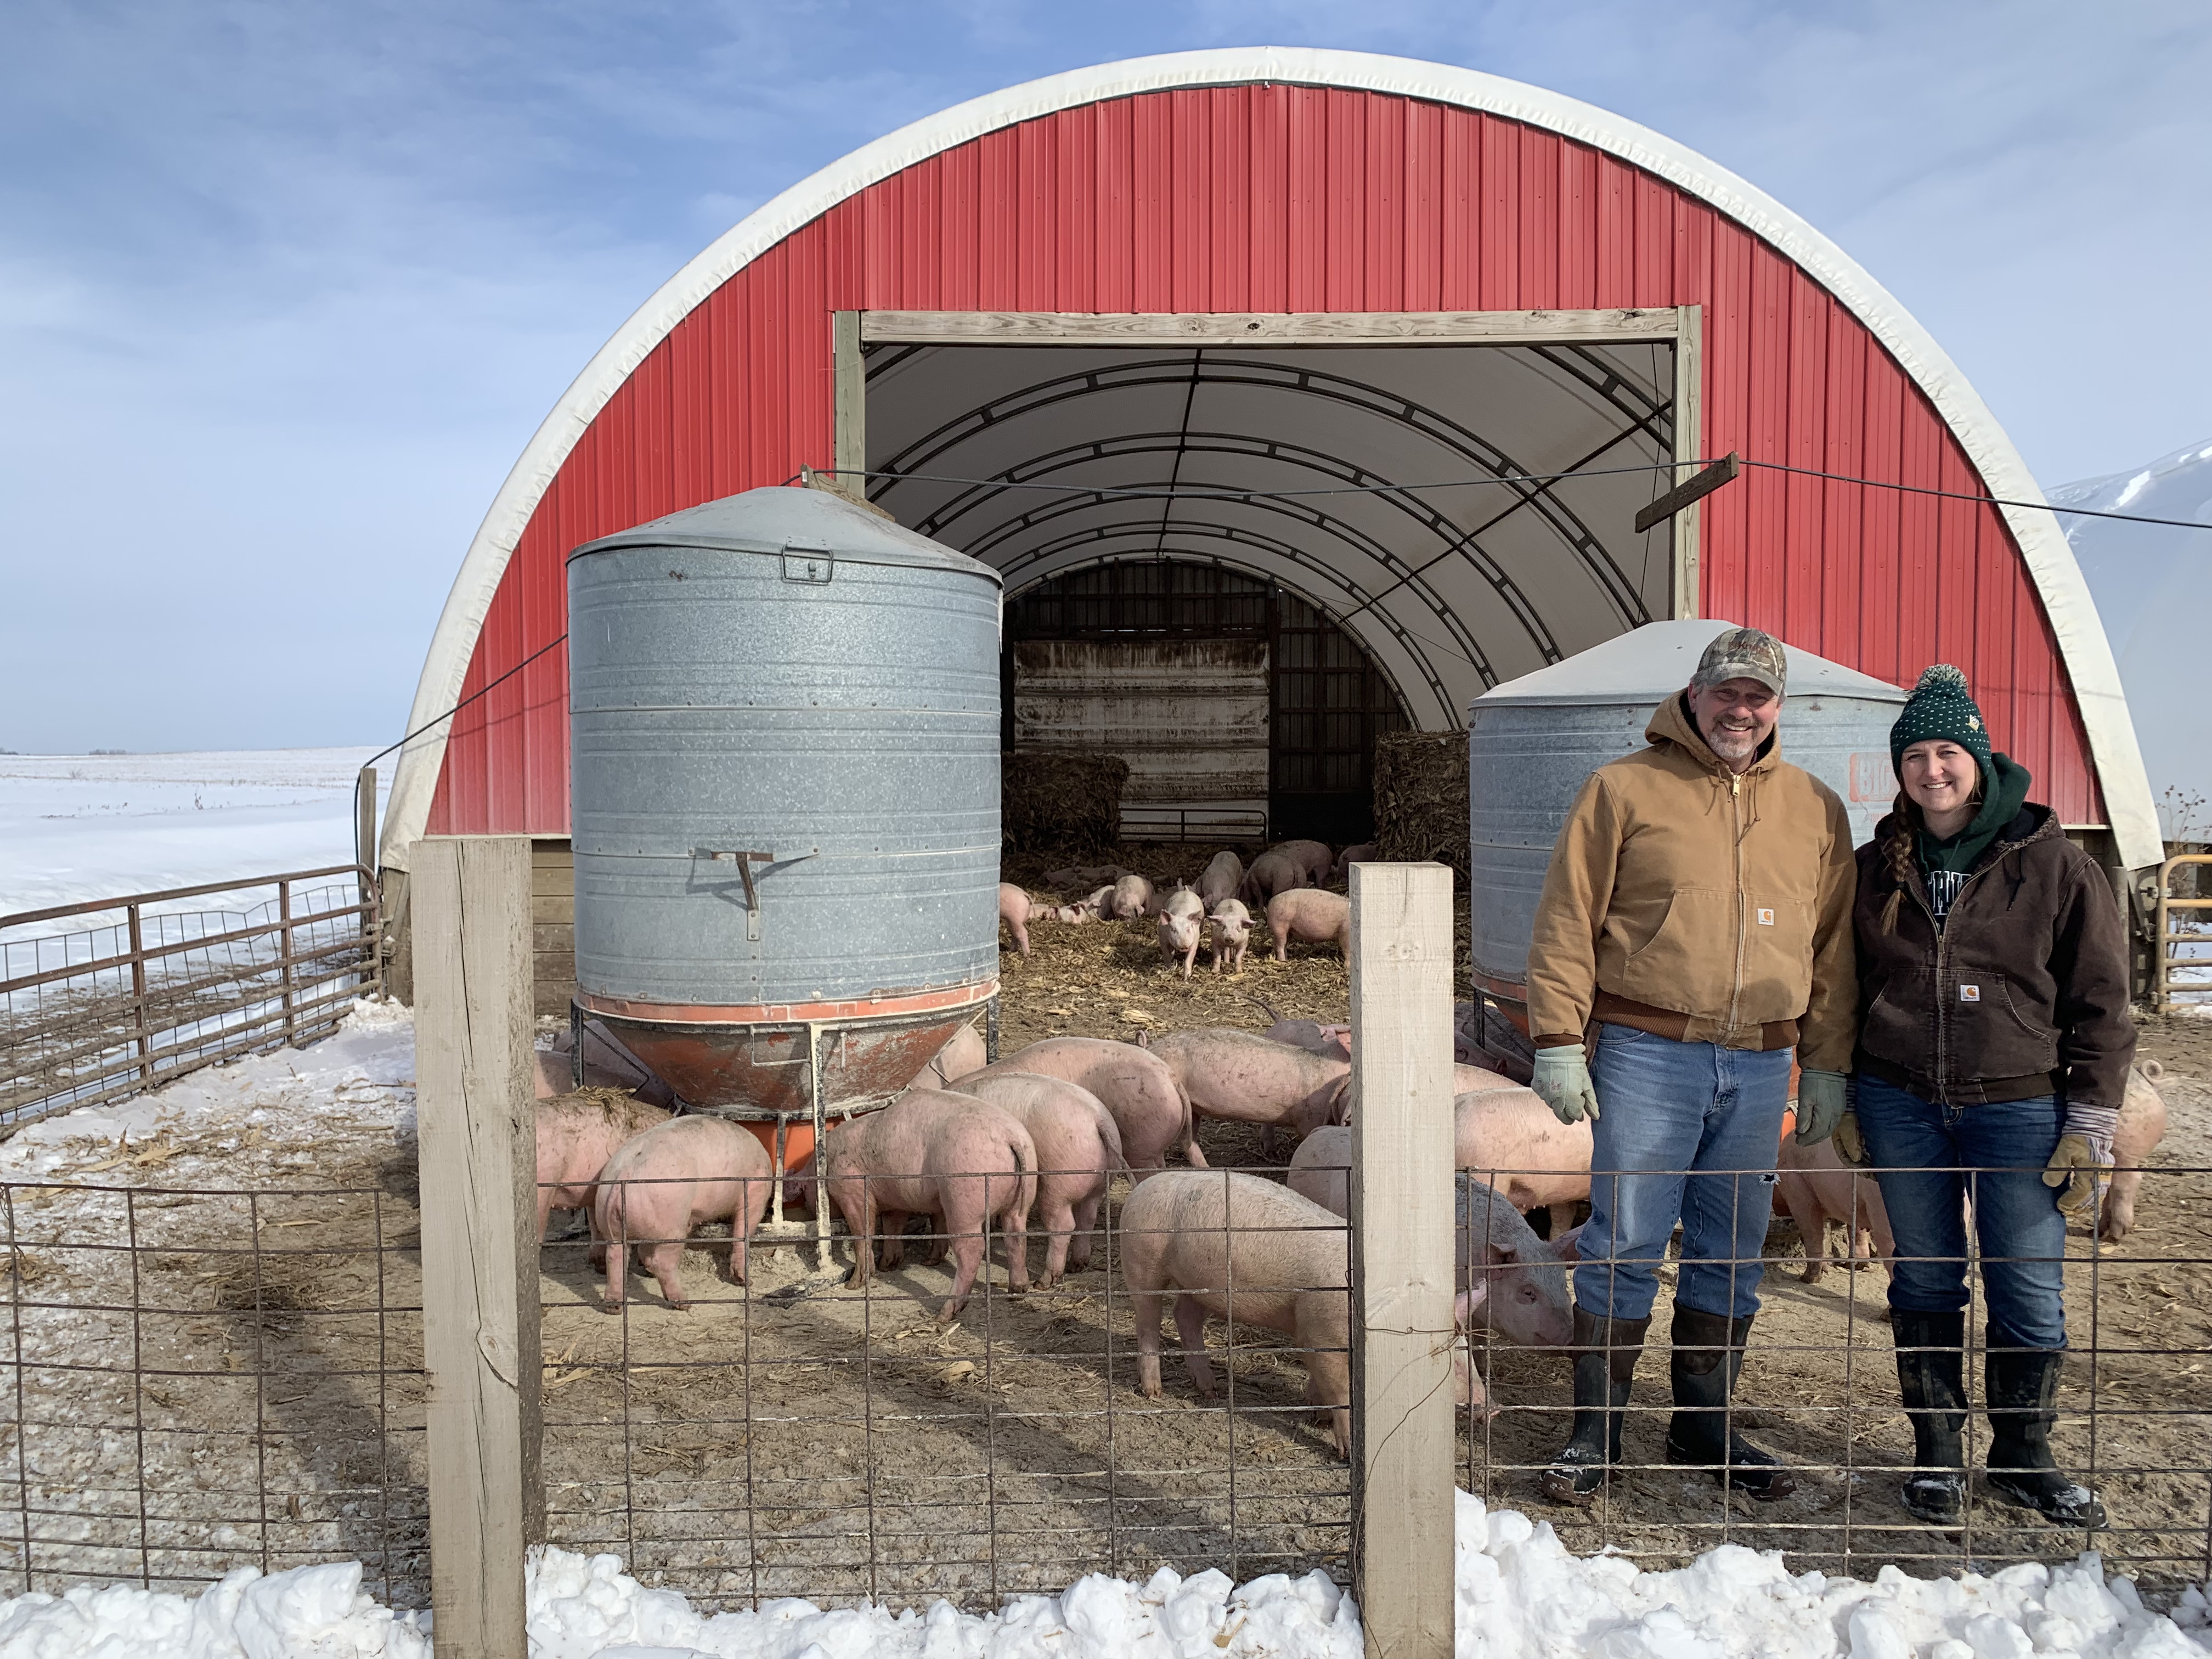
column 1532, row 742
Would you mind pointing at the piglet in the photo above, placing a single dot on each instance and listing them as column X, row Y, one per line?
column 1078, row 1148
column 1314, row 914
column 1135, row 1086
column 1242, row 1077
column 1220, row 879
column 963, row 1052
column 1097, row 904
column 1330, row 1041
column 1252, row 1251
column 1183, row 924
column 934, row 1152
column 1232, row 932
column 1131, row 900
column 577, row 1133
column 2140, row 1128
column 1014, row 911
column 1271, row 873
column 1359, row 853
column 1813, row 1185
column 672, row 1178
column 1312, row 858
column 1510, row 1281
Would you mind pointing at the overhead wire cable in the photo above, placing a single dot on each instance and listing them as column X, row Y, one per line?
column 1145, row 492
column 471, row 697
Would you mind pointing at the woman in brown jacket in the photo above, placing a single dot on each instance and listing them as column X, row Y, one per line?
column 1994, row 1044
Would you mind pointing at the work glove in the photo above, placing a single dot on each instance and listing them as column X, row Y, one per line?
column 1850, row 1145
column 1823, row 1097
column 1563, row 1080
column 2075, row 1166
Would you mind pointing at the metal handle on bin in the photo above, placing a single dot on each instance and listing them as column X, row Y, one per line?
column 808, row 561
column 745, row 862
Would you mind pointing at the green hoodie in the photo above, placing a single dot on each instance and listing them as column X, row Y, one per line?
column 2002, row 796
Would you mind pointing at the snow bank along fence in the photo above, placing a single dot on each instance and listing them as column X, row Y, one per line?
column 2182, row 943
column 108, row 998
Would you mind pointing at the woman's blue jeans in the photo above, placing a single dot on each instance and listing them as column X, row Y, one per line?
column 1686, row 1132
column 1932, row 1160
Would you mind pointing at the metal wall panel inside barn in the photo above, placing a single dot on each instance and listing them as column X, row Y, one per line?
column 1274, row 197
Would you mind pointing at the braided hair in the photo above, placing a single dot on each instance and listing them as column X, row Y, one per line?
column 1897, row 853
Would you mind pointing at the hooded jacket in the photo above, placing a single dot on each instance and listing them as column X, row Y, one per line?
column 1700, row 905
column 2022, row 992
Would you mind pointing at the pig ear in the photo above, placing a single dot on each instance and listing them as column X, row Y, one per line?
column 1464, row 1304
column 1567, row 1246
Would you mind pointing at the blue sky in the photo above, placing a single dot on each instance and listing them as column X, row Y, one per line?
column 284, row 287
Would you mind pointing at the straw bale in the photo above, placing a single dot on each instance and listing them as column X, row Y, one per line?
column 1420, row 799
column 1060, row 800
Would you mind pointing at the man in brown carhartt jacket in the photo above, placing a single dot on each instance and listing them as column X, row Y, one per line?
column 1696, row 921
column 1699, row 904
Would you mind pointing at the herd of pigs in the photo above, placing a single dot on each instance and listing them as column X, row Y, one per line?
column 1289, row 885
column 973, row 1146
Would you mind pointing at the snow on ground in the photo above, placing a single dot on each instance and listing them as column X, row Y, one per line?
column 1519, row 1594
column 189, row 1133
column 79, row 827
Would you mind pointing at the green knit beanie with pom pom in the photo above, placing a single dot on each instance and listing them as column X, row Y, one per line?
column 1940, row 707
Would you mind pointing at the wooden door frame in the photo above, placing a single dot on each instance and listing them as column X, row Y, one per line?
column 1681, row 327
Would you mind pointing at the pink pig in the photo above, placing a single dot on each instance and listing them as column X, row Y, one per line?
column 933, row 1152
column 680, row 1174
column 1312, row 914
column 577, row 1133
column 1014, row 911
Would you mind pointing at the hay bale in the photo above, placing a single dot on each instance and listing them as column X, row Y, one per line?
column 1058, row 801
column 1420, row 799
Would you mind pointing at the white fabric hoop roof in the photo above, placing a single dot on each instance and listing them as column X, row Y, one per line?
column 2051, row 564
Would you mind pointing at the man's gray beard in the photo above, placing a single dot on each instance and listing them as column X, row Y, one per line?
column 1732, row 745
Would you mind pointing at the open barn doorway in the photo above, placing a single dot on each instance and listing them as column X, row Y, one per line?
column 1245, row 713
column 1238, row 549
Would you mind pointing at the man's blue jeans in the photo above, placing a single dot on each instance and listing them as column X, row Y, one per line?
column 1667, row 1108
column 1932, row 1158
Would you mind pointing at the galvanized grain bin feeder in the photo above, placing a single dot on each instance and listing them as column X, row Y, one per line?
column 784, row 730
column 1532, row 742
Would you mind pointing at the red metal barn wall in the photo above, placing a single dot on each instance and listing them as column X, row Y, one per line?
column 1269, row 198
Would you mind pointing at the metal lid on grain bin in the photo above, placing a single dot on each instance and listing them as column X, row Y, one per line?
column 779, row 518
column 1646, row 663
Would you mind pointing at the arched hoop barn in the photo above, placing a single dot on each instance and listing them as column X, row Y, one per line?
column 1338, row 280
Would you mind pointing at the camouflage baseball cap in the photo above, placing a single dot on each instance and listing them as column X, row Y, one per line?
column 1744, row 653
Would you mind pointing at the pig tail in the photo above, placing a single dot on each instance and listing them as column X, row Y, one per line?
column 1897, row 849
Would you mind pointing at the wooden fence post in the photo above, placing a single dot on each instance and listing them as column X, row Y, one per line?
column 476, row 1120
column 1402, row 1255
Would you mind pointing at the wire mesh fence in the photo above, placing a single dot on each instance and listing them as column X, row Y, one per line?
column 201, row 1380
column 197, row 1380
column 1820, row 1389
column 798, row 1434
column 102, row 1000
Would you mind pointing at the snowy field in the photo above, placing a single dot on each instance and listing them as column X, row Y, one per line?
column 79, row 827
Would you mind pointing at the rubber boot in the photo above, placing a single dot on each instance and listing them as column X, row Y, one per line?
column 1931, row 1376
column 2021, row 1401
column 1698, row 1433
column 1605, row 1370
